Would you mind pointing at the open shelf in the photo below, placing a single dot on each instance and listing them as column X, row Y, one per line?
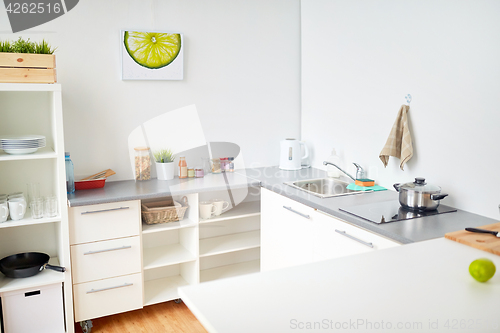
column 45, row 277
column 244, row 209
column 162, row 290
column 28, row 220
column 150, row 228
column 229, row 243
column 166, row 255
column 227, row 271
column 30, row 87
column 42, row 153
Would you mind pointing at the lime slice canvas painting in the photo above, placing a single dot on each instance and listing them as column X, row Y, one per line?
column 151, row 55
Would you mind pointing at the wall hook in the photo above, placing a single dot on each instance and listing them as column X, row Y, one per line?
column 408, row 99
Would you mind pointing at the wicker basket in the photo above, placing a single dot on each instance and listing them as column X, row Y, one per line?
column 164, row 211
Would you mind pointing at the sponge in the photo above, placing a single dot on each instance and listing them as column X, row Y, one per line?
column 365, row 182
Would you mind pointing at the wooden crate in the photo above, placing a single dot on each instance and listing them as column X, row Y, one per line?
column 27, row 68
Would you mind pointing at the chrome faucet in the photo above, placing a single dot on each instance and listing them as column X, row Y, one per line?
column 360, row 173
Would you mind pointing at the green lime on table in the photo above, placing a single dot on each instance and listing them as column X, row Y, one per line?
column 482, row 269
column 152, row 49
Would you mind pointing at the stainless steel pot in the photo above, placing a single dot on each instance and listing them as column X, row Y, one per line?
column 419, row 196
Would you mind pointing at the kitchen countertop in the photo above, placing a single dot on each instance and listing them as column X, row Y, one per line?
column 153, row 188
column 405, row 232
column 272, row 178
column 419, row 287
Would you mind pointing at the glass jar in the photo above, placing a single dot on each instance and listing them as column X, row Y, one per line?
column 230, row 164
column 199, row 172
column 216, row 165
column 224, row 164
column 142, row 163
column 207, row 165
column 183, row 172
column 190, row 173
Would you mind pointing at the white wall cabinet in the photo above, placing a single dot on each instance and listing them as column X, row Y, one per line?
column 294, row 234
column 36, row 109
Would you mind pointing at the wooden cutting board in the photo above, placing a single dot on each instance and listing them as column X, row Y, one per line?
column 485, row 242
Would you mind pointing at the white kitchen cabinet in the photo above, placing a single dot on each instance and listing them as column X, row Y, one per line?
column 106, row 253
column 334, row 238
column 294, row 234
column 287, row 232
column 36, row 109
column 171, row 254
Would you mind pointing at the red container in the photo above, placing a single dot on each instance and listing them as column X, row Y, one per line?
column 89, row 184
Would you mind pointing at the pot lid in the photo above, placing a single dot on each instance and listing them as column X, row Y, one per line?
column 420, row 185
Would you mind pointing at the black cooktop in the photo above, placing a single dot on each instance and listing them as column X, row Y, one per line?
column 391, row 211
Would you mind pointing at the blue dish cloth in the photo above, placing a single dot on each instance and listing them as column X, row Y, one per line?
column 355, row 187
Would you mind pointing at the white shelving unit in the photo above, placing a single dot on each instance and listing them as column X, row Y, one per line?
column 229, row 243
column 192, row 250
column 36, row 109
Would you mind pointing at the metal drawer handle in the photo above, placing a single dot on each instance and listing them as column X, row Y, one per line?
column 103, row 210
column 296, row 212
column 354, row 238
column 108, row 288
column 107, row 250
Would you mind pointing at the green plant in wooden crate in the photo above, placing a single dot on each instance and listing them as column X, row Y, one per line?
column 164, row 156
column 25, row 46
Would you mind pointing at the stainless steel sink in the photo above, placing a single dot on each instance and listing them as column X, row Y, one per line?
column 324, row 187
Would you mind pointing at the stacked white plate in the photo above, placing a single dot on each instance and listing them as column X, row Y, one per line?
column 21, row 144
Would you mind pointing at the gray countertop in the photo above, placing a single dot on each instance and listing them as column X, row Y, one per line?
column 272, row 178
column 407, row 231
column 153, row 188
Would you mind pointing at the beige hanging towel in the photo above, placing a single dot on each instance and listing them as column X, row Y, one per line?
column 399, row 142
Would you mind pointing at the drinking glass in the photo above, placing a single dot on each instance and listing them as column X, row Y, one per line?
column 37, row 208
column 50, row 206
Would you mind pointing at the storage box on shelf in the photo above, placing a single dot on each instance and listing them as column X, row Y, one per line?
column 27, row 68
column 43, row 304
column 36, row 109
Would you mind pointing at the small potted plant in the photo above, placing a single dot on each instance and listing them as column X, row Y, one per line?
column 164, row 164
column 24, row 61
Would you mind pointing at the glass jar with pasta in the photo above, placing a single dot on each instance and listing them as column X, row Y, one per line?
column 142, row 163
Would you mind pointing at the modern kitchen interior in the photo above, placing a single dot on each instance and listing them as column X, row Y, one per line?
column 251, row 166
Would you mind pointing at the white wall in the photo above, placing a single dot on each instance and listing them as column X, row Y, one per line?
column 241, row 59
column 360, row 58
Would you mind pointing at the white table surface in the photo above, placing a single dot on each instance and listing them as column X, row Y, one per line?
column 420, row 287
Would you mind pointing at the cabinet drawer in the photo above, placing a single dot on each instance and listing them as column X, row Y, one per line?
column 106, row 297
column 336, row 238
column 104, row 221
column 101, row 260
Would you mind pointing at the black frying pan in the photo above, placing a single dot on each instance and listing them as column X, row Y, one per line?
column 26, row 264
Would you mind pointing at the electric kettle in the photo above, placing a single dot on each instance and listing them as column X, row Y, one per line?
column 290, row 154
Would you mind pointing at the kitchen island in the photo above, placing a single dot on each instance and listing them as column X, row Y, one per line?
column 420, row 287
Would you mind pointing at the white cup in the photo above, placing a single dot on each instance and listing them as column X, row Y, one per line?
column 207, row 209
column 17, row 208
column 4, row 210
column 220, row 205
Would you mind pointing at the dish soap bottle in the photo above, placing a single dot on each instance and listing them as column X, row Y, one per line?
column 70, row 176
column 332, row 171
